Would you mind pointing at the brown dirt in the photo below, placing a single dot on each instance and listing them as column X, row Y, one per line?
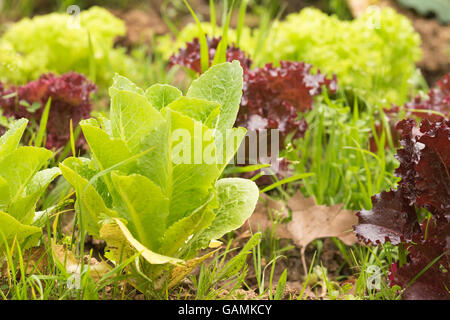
column 141, row 26
column 436, row 47
column 435, row 62
column 330, row 257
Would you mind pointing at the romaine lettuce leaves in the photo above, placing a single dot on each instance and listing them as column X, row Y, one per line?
column 22, row 182
column 154, row 176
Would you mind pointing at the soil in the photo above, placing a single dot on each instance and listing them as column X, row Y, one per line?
column 435, row 36
column 330, row 257
column 141, row 26
column 435, row 45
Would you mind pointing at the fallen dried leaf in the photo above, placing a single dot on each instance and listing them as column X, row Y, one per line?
column 73, row 265
column 310, row 221
column 268, row 208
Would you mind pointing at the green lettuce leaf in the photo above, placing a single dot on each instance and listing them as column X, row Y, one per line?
column 12, row 230
column 21, row 186
column 10, row 140
column 146, row 221
column 223, row 84
column 161, row 95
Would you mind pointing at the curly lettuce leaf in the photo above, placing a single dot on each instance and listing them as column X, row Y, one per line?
column 374, row 58
column 69, row 96
column 425, row 184
column 60, row 43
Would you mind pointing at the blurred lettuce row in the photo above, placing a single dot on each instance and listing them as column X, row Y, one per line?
column 166, row 46
column 374, row 55
column 59, row 43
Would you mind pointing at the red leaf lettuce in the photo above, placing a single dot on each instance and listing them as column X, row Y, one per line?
column 70, row 99
column 395, row 217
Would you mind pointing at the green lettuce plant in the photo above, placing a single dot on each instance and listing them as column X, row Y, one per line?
column 135, row 193
column 22, row 183
column 60, row 43
column 374, row 54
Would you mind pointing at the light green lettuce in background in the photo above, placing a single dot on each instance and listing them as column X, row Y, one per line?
column 374, row 54
column 60, row 43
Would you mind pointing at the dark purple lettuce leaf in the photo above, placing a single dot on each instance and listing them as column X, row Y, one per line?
column 438, row 100
column 391, row 219
column 273, row 96
column 70, row 95
column 272, row 99
column 425, row 164
column 425, row 183
column 432, row 244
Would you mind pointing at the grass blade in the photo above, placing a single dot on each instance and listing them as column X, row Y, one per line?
column 43, row 124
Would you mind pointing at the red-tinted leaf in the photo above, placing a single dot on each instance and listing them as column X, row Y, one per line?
column 434, row 283
column 425, row 164
column 391, row 219
column 70, row 95
column 425, row 183
column 273, row 96
column 438, row 100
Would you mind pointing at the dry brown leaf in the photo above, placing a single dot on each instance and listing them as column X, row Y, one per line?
column 73, row 265
column 266, row 208
column 309, row 221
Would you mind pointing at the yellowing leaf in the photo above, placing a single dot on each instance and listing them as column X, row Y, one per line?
column 180, row 272
column 122, row 244
column 214, row 244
